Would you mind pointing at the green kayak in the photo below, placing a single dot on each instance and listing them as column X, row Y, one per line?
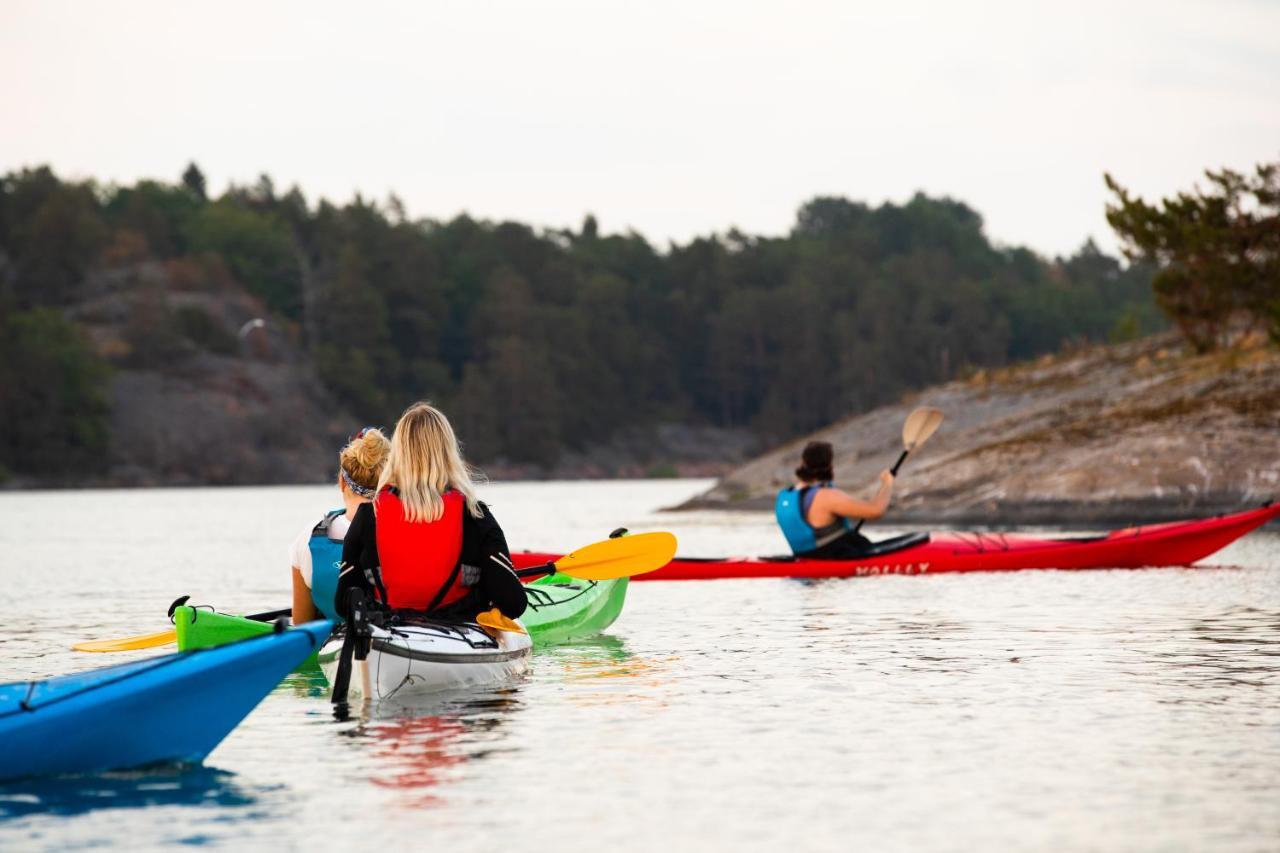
column 561, row 610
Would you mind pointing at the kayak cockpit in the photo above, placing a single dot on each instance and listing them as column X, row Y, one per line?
column 876, row 549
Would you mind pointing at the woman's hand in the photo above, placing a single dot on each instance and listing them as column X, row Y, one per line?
column 886, row 479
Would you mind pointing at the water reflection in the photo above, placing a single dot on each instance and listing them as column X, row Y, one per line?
column 306, row 682
column 603, row 657
column 415, row 745
column 419, row 745
column 162, row 786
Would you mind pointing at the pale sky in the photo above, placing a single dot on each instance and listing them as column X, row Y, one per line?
column 673, row 118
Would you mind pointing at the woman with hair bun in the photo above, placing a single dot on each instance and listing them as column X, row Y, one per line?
column 316, row 552
column 425, row 543
column 815, row 516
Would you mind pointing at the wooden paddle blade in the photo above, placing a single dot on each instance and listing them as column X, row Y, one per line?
column 128, row 644
column 496, row 620
column 920, row 424
column 619, row 558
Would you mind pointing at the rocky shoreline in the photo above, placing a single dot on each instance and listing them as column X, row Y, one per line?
column 1110, row 435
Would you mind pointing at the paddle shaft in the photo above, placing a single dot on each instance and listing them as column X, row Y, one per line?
column 531, row 572
column 534, row 571
column 270, row 614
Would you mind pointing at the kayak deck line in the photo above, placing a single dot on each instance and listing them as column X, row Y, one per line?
column 540, row 598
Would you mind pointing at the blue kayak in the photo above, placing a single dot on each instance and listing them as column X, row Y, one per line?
column 174, row 708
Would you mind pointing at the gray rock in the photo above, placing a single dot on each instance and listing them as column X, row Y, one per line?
column 1136, row 432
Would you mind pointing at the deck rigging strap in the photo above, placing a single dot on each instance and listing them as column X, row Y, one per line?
column 355, row 645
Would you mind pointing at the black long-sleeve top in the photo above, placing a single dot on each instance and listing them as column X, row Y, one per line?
column 485, row 560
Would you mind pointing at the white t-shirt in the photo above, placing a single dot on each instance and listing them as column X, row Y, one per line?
column 300, row 548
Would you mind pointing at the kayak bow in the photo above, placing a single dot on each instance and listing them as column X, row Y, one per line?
column 172, row 708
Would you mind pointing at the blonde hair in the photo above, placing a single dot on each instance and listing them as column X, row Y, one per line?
column 364, row 457
column 425, row 463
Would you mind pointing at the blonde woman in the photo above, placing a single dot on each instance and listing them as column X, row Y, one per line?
column 426, row 544
column 316, row 551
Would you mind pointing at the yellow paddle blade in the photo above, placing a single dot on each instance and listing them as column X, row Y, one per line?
column 496, row 620
column 128, row 644
column 920, row 424
column 619, row 558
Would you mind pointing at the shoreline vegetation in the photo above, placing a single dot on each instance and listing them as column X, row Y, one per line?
column 153, row 334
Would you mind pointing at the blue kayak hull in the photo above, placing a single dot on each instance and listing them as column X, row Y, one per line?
column 173, row 708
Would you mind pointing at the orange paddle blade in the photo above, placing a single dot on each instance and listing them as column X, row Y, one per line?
column 128, row 644
column 496, row 620
column 619, row 558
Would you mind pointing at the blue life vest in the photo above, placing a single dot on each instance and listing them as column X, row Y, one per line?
column 791, row 508
column 326, row 555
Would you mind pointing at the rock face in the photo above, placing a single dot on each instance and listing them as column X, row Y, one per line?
column 204, row 390
column 1135, row 432
column 208, row 388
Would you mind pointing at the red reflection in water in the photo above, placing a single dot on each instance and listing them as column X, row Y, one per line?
column 417, row 754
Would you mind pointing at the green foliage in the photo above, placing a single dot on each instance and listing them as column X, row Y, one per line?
column 539, row 341
column 354, row 348
column 1126, row 329
column 1217, row 252
column 52, row 231
column 53, row 392
column 193, row 180
column 162, row 214
column 258, row 248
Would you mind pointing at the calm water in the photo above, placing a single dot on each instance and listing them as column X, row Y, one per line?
column 1122, row 710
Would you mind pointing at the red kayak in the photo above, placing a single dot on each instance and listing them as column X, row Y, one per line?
column 1178, row 543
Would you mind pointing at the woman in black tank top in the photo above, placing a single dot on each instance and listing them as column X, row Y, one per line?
column 815, row 474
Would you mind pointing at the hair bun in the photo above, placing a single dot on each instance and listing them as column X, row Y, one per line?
column 364, row 457
column 371, row 449
column 816, row 462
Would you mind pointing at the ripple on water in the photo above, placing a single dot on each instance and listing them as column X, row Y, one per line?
column 1037, row 710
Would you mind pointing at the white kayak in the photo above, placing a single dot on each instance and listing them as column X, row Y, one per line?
column 428, row 656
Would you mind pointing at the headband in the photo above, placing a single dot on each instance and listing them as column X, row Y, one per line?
column 360, row 490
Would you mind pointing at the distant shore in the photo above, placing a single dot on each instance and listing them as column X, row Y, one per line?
column 1131, row 433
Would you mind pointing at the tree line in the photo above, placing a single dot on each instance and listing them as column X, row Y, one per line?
column 539, row 340
column 1217, row 251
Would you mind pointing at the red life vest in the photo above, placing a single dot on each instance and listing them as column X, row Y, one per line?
column 418, row 557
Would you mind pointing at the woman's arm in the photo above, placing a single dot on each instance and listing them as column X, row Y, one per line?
column 485, row 545
column 304, row 610
column 838, row 503
column 360, row 545
column 300, row 555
